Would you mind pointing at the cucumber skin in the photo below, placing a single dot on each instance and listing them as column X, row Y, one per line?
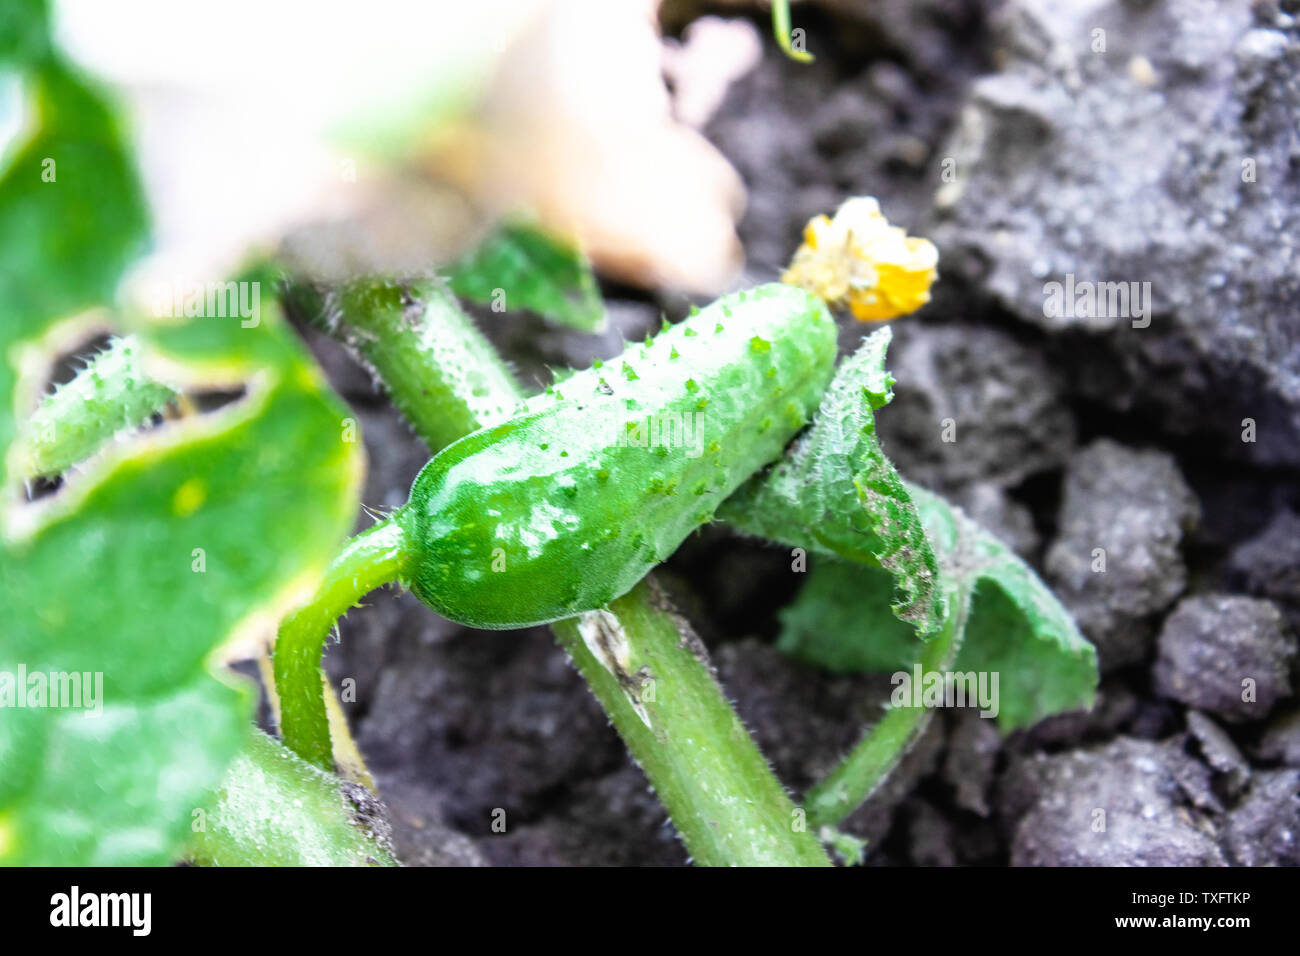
column 580, row 518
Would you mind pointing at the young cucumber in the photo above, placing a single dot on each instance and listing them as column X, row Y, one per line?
column 568, row 504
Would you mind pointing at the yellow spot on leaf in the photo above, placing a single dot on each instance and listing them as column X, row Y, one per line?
column 189, row 497
column 6, row 838
column 858, row 261
column 308, row 379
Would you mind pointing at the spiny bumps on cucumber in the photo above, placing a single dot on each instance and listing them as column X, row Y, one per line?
column 568, row 504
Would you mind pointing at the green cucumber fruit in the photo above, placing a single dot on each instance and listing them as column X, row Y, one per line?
column 570, row 502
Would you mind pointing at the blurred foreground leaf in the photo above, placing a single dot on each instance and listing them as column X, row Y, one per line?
column 275, row 809
column 130, row 579
column 121, row 588
column 71, row 216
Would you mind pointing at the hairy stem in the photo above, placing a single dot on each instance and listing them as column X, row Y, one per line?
column 110, row 394
column 644, row 667
column 883, row 745
column 370, row 560
column 348, row 763
column 439, row 370
column 650, row 673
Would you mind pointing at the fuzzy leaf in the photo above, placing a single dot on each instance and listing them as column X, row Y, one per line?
column 71, row 216
column 275, row 809
column 1016, row 627
column 841, row 621
column 835, row 492
column 139, row 570
column 534, row 271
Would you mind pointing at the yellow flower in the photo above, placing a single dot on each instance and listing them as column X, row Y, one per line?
column 860, row 262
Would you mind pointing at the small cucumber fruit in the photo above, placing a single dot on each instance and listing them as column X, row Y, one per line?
column 570, row 502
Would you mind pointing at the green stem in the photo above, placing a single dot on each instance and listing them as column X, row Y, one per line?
column 855, row 778
column 110, row 394
column 370, row 560
column 716, row 786
column 440, row 371
column 651, row 674
column 781, row 30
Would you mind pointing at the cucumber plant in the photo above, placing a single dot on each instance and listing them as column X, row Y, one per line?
column 832, row 491
column 553, row 508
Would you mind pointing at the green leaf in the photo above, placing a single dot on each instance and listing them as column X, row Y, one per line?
column 72, row 217
column 24, row 31
column 841, row 621
column 121, row 588
column 275, row 809
column 534, row 271
column 139, row 570
column 850, row 850
column 1016, row 627
column 835, row 492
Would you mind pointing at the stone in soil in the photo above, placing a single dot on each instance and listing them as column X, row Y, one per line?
column 1165, row 162
column 1228, row 655
column 1268, row 564
column 994, row 510
column 1117, row 560
column 970, row 764
column 1129, row 803
column 1280, row 742
column 1220, row 753
column 1264, row 829
column 971, row 404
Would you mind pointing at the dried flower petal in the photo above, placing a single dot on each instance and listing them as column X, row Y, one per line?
column 860, row 262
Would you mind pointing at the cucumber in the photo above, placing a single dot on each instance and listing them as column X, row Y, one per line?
column 570, row 502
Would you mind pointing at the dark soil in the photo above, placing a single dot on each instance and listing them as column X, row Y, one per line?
column 488, row 747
